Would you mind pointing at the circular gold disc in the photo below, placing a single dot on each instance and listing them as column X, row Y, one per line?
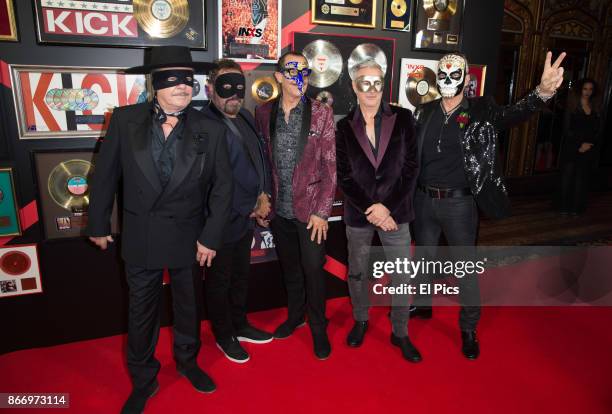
column 161, row 18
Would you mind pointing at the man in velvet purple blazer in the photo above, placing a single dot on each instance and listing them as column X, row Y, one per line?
column 376, row 152
column 299, row 133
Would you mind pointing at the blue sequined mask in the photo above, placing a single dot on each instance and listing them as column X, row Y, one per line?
column 297, row 72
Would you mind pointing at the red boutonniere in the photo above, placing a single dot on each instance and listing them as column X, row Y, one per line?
column 463, row 119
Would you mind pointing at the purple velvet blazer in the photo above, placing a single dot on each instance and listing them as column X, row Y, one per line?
column 390, row 178
column 314, row 177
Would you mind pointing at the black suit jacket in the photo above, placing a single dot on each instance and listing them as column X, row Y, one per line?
column 479, row 142
column 389, row 178
column 244, row 197
column 161, row 225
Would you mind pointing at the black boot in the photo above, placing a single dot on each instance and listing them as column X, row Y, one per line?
column 198, row 379
column 137, row 400
column 470, row 347
column 321, row 345
column 409, row 351
column 356, row 335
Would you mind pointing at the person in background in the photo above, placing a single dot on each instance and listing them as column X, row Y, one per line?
column 582, row 128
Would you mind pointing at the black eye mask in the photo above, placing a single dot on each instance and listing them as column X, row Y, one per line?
column 173, row 77
column 230, row 84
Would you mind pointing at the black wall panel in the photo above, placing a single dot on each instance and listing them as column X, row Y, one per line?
column 85, row 295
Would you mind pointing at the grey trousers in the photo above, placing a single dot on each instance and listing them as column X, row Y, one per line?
column 359, row 242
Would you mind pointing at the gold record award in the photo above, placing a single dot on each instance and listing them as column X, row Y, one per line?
column 264, row 89
column 161, row 18
column 356, row 13
column 438, row 24
column 397, row 15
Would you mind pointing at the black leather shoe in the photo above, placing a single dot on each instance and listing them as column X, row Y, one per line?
column 285, row 329
column 409, row 352
column 423, row 312
column 137, row 400
column 356, row 335
column 199, row 379
column 322, row 347
column 470, row 347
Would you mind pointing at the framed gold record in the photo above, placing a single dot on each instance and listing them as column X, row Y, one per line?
column 264, row 89
column 397, row 15
column 124, row 23
column 438, row 25
column 355, row 13
column 64, row 178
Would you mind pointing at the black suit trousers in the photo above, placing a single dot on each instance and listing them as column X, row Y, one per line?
column 227, row 287
column 302, row 263
column 145, row 289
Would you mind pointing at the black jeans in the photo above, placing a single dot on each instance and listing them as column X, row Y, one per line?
column 457, row 219
column 302, row 263
column 227, row 287
column 145, row 288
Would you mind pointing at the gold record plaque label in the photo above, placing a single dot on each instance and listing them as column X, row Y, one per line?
column 68, row 185
column 357, row 13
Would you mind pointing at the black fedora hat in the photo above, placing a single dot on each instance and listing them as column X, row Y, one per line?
column 170, row 56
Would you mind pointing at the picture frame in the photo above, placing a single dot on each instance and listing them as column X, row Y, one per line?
column 19, row 271
column 438, row 25
column 476, row 84
column 417, row 83
column 397, row 15
column 8, row 22
column 70, row 102
column 354, row 13
column 63, row 177
column 121, row 23
column 10, row 223
column 248, row 32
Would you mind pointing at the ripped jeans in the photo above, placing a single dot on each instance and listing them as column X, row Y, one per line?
column 359, row 274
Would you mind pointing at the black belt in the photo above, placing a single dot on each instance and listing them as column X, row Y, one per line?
column 434, row 192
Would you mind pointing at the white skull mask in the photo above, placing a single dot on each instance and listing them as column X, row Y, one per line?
column 451, row 75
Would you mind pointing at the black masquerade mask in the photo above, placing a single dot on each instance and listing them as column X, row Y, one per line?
column 230, row 84
column 167, row 78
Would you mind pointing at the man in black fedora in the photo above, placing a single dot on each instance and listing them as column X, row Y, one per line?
column 177, row 187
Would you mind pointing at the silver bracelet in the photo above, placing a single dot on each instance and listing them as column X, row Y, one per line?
column 544, row 98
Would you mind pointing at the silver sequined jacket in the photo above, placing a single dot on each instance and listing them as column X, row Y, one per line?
column 481, row 119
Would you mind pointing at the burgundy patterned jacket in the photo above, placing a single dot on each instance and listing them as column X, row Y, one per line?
column 314, row 177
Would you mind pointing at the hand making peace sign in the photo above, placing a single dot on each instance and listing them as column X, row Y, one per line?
column 552, row 76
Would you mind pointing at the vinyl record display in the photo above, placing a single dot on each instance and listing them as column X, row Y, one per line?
column 367, row 51
column 421, row 86
column 161, row 18
column 68, row 184
column 15, row 263
column 440, row 9
column 325, row 60
column 264, row 89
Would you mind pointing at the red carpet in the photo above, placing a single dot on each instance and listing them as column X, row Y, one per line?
column 533, row 361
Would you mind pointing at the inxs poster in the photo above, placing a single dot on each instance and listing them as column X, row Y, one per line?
column 250, row 30
column 129, row 23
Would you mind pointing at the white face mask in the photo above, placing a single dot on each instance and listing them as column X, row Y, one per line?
column 451, row 75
